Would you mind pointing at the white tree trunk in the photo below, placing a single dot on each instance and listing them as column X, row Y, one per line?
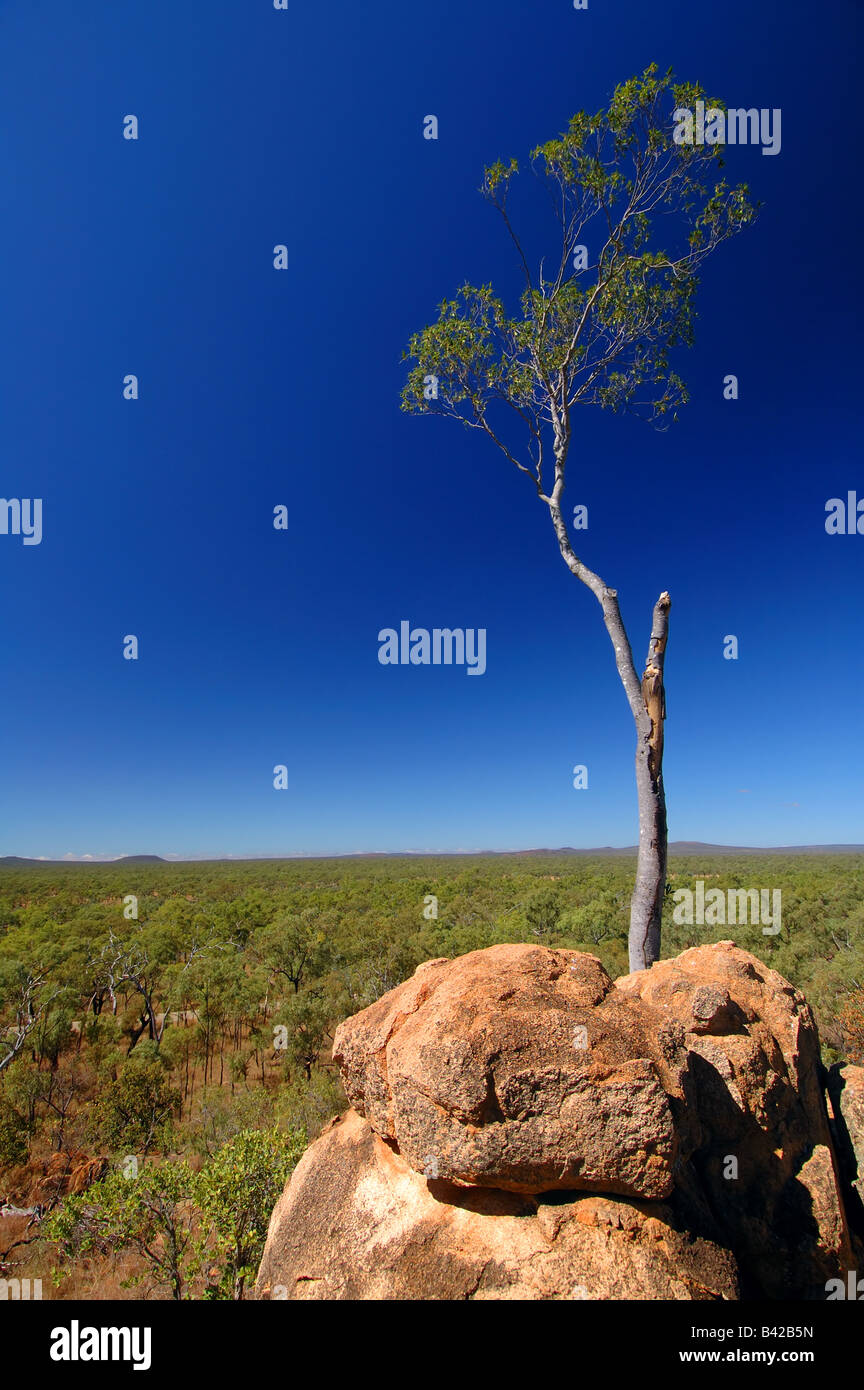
column 646, row 905
column 647, row 702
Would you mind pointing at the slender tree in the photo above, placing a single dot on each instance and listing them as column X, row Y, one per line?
column 637, row 214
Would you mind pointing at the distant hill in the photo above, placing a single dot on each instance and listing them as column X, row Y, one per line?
column 676, row 847
column 700, row 847
column 126, row 859
column 696, row 847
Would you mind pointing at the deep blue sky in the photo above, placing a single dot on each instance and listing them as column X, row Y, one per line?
column 259, row 647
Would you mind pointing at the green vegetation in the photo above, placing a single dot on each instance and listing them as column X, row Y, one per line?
column 191, row 1045
column 183, row 1224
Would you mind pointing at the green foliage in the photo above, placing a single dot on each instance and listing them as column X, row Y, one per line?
column 133, row 1112
column 59, row 920
column 601, row 333
column 221, row 1114
column 236, row 1192
column 605, row 917
column 306, row 1017
column 184, row 1225
column 151, row 1214
column 306, row 1106
column 541, row 913
column 294, row 947
column 14, row 1135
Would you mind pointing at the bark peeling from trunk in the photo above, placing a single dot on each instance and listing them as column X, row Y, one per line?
column 653, row 691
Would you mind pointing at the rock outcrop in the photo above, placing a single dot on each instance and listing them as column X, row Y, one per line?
column 523, row 1127
column 521, row 1068
column 358, row 1222
column 846, row 1093
column 765, row 1164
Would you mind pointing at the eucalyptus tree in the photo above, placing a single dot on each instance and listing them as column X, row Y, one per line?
column 637, row 214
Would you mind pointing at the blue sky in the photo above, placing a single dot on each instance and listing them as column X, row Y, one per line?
column 259, row 388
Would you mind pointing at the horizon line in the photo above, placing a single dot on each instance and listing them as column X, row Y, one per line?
column 674, row 846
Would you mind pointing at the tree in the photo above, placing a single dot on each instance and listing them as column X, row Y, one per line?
column 142, row 958
column 134, row 1112
column 237, row 1192
column 306, row 1017
column 598, row 330
column 294, row 947
column 542, row 911
column 851, row 1019
column 14, row 1135
column 151, row 1213
column 28, row 1005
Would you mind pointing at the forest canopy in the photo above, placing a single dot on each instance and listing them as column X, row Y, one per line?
column 156, row 1018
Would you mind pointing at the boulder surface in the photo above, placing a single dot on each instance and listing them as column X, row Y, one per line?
column 357, row 1222
column 766, row 1163
column 524, row 1128
column 846, row 1093
column 521, row 1068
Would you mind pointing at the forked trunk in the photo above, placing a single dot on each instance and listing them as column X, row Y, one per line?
column 646, row 905
column 647, row 701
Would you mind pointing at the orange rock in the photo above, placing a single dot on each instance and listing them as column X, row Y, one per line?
column 521, row 1068
column 766, row 1163
column 357, row 1222
column 505, row 1096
